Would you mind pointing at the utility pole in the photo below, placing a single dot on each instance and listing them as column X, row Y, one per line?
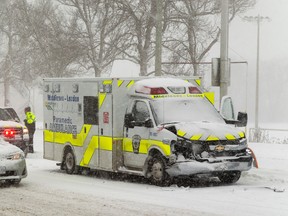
column 3, row 4
column 258, row 19
column 158, row 48
column 224, row 61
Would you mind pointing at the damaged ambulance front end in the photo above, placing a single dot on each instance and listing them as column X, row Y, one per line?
column 209, row 148
column 204, row 143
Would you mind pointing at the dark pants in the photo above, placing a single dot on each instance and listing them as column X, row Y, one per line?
column 31, row 130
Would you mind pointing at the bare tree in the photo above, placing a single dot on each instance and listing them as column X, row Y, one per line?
column 194, row 29
column 142, row 14
column 36, row 42
column 98, row 25
column 9, row 46
column 48, row 39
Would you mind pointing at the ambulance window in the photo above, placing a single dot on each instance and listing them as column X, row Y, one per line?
column 91, row 110
column 141, row 111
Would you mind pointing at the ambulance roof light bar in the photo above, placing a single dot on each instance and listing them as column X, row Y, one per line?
column 151, row 90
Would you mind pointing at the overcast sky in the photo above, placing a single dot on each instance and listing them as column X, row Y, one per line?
column 273, row 33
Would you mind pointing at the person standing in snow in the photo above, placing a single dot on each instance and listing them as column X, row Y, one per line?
column 30, row 123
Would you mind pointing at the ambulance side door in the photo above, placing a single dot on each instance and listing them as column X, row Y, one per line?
column 106, row 133
column 138, row 122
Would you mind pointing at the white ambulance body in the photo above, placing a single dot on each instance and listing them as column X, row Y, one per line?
column 155, row 127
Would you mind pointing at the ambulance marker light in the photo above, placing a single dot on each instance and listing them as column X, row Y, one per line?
column 194, row 90
column 156, row 91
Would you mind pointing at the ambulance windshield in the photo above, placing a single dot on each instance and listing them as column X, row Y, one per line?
column 185, row 110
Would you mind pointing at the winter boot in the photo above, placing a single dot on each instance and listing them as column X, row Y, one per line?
column 31, row 149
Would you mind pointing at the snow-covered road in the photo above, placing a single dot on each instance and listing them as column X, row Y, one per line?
column 49, row 191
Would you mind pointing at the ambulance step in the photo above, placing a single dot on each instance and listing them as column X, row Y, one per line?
column 130, row 171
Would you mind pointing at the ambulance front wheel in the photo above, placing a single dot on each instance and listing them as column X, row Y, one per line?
column 229, row 177
column 69, row 161
column 158, row 175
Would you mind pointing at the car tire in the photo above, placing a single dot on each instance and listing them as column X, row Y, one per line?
column 229, row 177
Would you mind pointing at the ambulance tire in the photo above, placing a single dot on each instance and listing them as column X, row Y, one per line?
column 229, row 177
column 158, row 175
column 69, row 161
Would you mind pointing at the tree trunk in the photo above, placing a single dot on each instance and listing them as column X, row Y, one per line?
column 143, row 63
column 6, row 93
column 195, row 69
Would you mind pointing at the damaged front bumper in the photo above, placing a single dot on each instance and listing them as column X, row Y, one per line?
column 213, row 165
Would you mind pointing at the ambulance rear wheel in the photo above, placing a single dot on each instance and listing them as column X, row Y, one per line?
column 69, row 161
column 158, row 175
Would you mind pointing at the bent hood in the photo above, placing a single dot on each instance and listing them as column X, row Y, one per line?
column 208, row 131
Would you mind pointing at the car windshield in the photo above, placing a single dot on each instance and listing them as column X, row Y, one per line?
column 4, row 116
column 185, row 110
column 13, row 114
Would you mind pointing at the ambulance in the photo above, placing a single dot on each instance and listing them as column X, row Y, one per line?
column 159, row 128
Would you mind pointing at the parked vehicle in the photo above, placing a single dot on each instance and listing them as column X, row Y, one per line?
column 12, row 163
column 159, row 128
column 11, row 111
column 13, row 131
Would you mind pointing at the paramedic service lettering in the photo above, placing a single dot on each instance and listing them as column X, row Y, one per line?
column 64, row 125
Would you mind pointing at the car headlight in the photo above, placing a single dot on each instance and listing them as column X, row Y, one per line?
column 16, row 156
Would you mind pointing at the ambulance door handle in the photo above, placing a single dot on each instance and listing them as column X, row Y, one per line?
column 84, row 129
column 101, row 131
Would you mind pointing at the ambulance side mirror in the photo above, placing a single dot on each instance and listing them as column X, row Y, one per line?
column 227, row 112
column 129, row 120
column 242, row 119
column 148, row 123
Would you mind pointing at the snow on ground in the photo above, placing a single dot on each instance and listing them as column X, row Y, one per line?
column 49, row 191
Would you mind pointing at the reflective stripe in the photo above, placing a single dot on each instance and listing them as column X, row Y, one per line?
column 196, row 137
column 146, row 145
column 105, row 143
column 93, row 145
column 176, row 95
column 230, row 137
column 48, row 136
column 102, row 97
column 62, row 138
column 210, row 97
column 130, row 84
column 107, row 82
column 241, row 134
column 120, row 82
column 181, row 133
column 212, row 138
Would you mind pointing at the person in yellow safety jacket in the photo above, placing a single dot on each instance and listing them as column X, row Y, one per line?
column 30, row 123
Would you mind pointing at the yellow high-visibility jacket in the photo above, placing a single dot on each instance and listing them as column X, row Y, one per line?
column 30, row 118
